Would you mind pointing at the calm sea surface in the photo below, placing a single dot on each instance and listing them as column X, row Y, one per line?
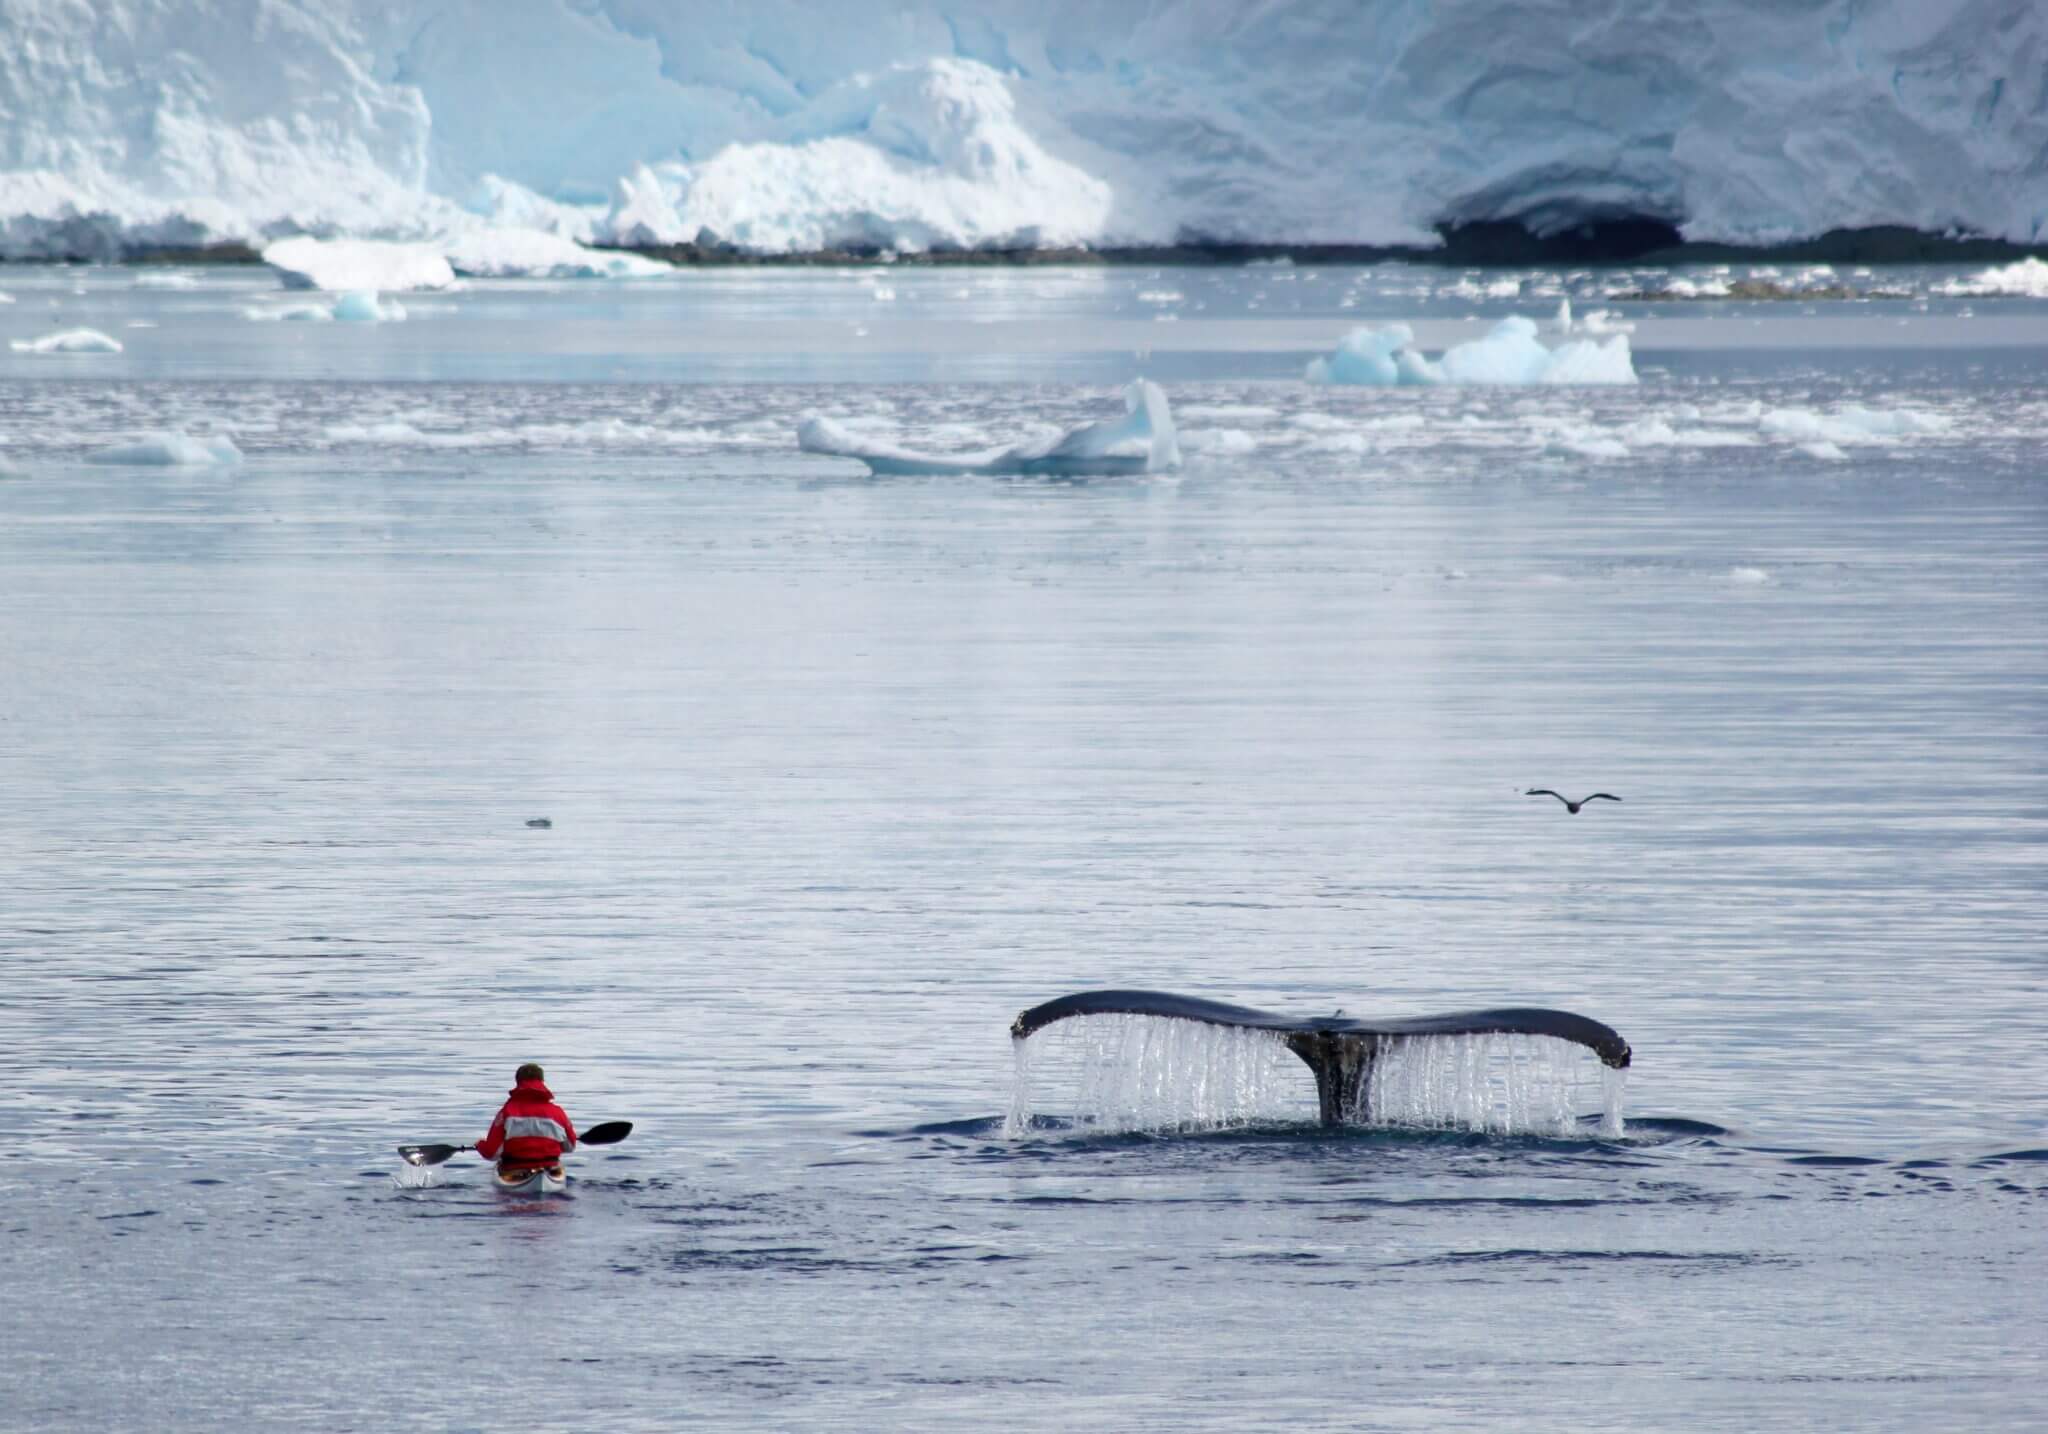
column 844, row 772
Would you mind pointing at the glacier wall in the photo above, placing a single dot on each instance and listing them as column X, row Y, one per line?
column 783, row 125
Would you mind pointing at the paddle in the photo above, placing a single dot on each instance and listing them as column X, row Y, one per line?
column 609, row 1133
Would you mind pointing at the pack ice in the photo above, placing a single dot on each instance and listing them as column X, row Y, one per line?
column 1142, row 441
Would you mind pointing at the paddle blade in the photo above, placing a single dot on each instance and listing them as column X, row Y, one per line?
column 429, row 1154
column 610, row 1133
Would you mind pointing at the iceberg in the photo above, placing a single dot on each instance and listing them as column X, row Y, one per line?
column 804, row 123
column 2027, row 279
column 68, row 341
column 357, row 265
column 1142, row 441
column 170, row 450
column 1510, row 354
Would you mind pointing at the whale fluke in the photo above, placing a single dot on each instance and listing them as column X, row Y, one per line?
column 1339, row 1050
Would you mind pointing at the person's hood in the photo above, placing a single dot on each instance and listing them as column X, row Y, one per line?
column 531, row 1092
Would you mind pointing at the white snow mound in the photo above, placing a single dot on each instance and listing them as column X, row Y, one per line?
column 1510, row 354
column 354, row 265
column 171, row 450
column 1142, row 441
column 68, row 341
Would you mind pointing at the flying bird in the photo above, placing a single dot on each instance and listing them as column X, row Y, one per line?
column 1570, row 805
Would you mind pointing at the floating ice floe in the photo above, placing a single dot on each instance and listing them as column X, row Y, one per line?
column 537, row 254
column 1218, row 442
column 1142, row 441
column 2026, row 279
column 165, row 281
column 591, row 433
column 68, row 341
column 171, row 450
column 317, row 313
column 1849, row 425
column 357, row 265
column 1510, row 354
column 364, row 306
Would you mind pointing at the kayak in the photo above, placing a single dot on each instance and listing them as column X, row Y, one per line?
column 530, row 1182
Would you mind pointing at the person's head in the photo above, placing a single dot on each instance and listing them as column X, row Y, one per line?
column 527, row 1072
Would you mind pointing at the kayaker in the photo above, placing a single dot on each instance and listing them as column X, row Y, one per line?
column 531, row 1132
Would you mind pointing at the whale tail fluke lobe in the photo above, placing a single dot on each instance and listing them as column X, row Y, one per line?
column 1338, row 1050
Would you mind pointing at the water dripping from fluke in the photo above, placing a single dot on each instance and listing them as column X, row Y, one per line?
column 1129, row 1061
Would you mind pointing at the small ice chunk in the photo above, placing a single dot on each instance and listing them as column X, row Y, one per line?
column 171, row 450
column 1142, row 441
column 68, row 341
column 389, row 431
column 1748, row 577
column 6, row 298
column 291, row 313
column 1697, row 288
column 1222, row 442
column 165, row 281
column 1825, row 451
column 364, row 307
column 349, row 265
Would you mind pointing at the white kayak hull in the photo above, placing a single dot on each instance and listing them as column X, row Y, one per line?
column 532, row 1182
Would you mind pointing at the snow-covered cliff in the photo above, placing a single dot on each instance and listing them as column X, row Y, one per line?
column 799, row 124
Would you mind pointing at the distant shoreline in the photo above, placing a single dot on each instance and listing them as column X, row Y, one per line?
column 1470, row 246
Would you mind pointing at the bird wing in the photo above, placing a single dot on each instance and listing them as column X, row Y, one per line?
column 1546, row 792
column 1603, row 796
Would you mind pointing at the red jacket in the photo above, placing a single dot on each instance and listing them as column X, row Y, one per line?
column 530, row 1129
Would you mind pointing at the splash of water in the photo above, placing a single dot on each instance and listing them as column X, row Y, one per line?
column 1504, row 1083
column 1127, row 1073
column 415, row 1177
column 1116, row 1073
